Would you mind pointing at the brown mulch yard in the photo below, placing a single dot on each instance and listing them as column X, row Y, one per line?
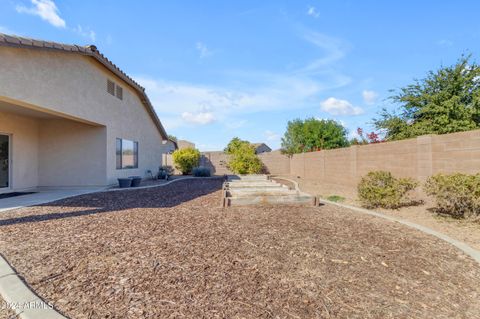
column 172, row 252
column 6, row 311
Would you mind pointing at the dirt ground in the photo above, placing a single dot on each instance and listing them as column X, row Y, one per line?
column 172, row 252
column 462, row 230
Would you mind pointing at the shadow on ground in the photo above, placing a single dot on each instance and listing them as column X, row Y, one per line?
column 104, row 202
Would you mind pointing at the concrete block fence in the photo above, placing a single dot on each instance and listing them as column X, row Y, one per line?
column 342, row 168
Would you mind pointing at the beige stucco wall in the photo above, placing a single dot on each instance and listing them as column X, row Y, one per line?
column 71, row 154
column 75, row 86
column 24, row 138
column 185, row 144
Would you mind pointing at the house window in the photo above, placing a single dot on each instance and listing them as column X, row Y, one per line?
column 111, row 87
column 119, row 92
column 127, row 154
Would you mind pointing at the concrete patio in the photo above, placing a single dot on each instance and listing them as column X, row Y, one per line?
column 42, row 196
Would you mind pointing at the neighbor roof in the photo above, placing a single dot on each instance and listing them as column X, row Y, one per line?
column 92, row 51
column 257, row 145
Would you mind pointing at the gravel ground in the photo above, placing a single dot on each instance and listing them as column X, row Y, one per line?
column 462, row 230
column 172, row 252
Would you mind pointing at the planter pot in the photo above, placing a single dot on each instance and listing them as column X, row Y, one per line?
column 124, row 182
column 136, row 180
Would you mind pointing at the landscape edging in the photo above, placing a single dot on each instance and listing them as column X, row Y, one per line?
column 470, row 251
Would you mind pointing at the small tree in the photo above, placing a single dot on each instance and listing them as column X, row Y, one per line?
column 186, row 159
column 234, row 145
column 446, row 101
column 313, row 135
column 244, row 160
column 368, row 138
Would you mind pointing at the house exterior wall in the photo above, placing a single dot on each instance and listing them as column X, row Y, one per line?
column 75, row 86
column 185, row 144
column 24, row 149
column 71, row 154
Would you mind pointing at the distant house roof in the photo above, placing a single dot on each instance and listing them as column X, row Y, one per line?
column 92, row 51
column 260, row 145
column 174, row 143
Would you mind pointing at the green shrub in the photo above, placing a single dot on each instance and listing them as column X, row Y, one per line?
column 164, row 171
column 201, row 172
column 457, row 194
column 244, row 160
column 186, row 159
column 382, row 189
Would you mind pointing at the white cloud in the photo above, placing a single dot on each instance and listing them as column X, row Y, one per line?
column 86, row 33
column 271, row 136
column 335, row 106
column 253, row 91
column 203, row 50
column 200, row 118
column 369, row 97
column 312, row 11
column 334, row 50
column 45, row 9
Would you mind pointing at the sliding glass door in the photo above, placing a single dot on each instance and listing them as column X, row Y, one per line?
column 4, row 161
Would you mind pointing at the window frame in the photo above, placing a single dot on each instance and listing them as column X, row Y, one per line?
column 119, row 146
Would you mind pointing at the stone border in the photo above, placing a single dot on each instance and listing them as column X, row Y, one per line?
column 470, row 251
column 20, row 297
column 158, row 185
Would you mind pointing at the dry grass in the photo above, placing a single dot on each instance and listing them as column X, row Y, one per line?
column 172, row 252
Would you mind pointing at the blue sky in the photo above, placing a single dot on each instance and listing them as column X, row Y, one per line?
column 219, row 69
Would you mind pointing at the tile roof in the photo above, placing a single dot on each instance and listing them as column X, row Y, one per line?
column 90, row 50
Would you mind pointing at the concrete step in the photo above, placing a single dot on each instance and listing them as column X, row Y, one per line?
column 253, row 184
column 258, row 189
column 269, row 199
column 248, row 177
column 260, row 192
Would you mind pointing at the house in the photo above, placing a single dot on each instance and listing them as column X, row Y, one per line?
column 185, row 144
column 261, row 148
column 70, row 117
column 171, row 146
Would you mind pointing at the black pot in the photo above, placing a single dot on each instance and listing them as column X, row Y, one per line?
column 136, row 180
column 124, row 182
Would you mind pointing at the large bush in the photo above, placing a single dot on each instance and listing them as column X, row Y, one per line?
column 313, row 135
column 382, row 189
column 457, row 194
column 186, row 159
column 244, row 160
column 445, row 101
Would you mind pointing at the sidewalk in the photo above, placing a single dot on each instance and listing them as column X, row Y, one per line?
column 43, row 196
